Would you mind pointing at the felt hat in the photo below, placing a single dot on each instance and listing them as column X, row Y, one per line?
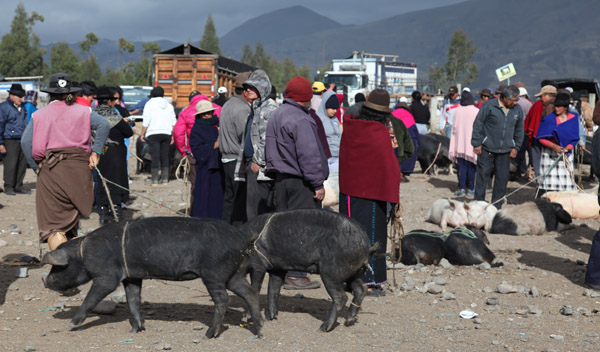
column 486, row 92
column 562, row 99
column 239, row 80
column 379, row 100
column 61, row 83
column 204, row 106
column 104, row 92
column 17, row 89
column 547, row 89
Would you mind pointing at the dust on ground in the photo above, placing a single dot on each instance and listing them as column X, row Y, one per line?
column 545, row 271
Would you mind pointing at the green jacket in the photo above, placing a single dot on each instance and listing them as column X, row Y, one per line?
column 406, row 147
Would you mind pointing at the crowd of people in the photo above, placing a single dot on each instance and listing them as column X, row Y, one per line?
column 250, row 155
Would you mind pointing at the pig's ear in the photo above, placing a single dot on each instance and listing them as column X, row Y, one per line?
column 58, row 257
column 467, row 207
column 452, row 204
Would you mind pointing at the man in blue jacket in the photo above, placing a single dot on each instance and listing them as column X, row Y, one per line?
column 497, row 136
column 13, row 120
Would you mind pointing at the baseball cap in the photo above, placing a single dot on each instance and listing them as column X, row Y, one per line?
column 546, row 89
column 318, row 87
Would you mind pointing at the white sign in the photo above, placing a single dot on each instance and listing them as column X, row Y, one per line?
column 506, row 72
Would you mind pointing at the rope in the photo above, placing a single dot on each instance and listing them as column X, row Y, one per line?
column 123, row 248
column 110, row 201
column 139, row 195
column 434, row 159
column 184, row 164
column 444, row 235
column 396, row 234
column 260, row 235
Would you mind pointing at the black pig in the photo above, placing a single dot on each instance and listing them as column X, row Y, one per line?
column 467, row 247
column 314, row 241
column 167, row 248
column 428, row 150
column 531, row 218
column 421, row 246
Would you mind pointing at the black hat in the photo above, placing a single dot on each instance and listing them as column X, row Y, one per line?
column 584, row 93
column 104, row 92
column 359, row 97
column 61, row 83
column 562, row 99
column 379, row 100
column 17, row 89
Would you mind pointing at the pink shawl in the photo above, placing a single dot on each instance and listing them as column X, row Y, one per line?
column 405, row 116
column 462, row 129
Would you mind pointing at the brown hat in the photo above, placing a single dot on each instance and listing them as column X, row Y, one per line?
column 500, row 89
column 239, row 80
column 486, row 92
column 520, row 85
column 546, row 89
column 379, row 100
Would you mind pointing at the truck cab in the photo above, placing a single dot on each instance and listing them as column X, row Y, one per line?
column 348, row 82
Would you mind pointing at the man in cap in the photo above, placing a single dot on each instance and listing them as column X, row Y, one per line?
column 221, row 97
column 318, row 89
column 294, row 154
column 13, row 120
column 451, row 102
column 532, row 122
column 234, row 117
column 587, row 110
column 525, row 105
column 497, row 137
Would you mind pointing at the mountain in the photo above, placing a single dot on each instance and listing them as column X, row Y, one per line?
column 107, row 52
column 275, row 27
column 542, row 38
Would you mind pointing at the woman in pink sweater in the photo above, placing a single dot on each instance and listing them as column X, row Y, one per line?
column 461, row 151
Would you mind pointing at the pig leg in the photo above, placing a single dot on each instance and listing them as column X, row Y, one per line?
column 336, row 291
column 101, row 288
column 238, row 285
column 359, row 290
column 275, row 282
column 133, row 290
column 257, row 276
column 219, row 296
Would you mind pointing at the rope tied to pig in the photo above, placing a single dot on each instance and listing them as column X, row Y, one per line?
column 123, row 248
column 260, row 235
column 444, row 235
column 434, row 159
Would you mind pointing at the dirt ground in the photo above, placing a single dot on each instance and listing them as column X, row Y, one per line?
column 546, row 271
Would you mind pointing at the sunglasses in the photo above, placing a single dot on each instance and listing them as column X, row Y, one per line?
column 485, row 96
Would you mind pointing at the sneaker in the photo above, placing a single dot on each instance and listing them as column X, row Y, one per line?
column 375, row 291
column 460, row 193
column 300, row 283
column 471, row 193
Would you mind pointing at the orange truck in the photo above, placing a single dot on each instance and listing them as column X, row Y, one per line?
column 186, row 68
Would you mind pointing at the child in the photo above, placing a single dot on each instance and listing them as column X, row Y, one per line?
column 208, row 193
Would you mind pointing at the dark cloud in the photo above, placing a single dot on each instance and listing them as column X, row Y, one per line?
column 181, row 20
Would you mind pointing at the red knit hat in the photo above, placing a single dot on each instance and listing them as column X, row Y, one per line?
column 299, row 89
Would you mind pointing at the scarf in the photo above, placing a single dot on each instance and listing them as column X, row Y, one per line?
column 564, row 134
column 214, row 120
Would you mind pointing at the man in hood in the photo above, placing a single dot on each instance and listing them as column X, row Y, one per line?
column 258, row 185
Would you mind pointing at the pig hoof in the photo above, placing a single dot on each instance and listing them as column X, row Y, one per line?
column 211, row 333
column 73, row 326
column 325, row 327
column 350, row 322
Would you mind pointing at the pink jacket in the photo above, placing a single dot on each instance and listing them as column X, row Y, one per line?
column 462, row 129
column 185, row 121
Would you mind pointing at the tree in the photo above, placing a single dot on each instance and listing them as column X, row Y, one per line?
column 458, row 68
column 124, row 46
column 63, row 59
column 210, row 41
column 20, row 54
column 89, row 69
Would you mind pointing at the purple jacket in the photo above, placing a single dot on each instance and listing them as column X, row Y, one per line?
column 292, row 146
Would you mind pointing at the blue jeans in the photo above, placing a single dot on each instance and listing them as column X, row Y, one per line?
column 466, row 174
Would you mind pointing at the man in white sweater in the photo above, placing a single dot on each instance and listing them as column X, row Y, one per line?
column 157, row 130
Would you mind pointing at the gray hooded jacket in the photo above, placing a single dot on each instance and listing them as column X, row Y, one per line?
column 263, row 108
column 331, row 126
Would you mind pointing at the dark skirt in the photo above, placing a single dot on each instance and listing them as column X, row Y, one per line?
column 113, row 166
column 371, row 214
column 208, row 192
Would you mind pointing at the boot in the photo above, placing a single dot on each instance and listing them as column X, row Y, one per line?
column 104, row 212
column 154, row 177
column 118, row 212
column 164, row 175
column 56, row 239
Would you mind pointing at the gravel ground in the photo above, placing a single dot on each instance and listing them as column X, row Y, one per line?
column 535, row 302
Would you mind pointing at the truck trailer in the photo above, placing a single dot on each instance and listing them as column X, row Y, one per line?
column 362, row 72
column 186, row 68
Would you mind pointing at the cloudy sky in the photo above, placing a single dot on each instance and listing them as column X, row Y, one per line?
column 182, row 20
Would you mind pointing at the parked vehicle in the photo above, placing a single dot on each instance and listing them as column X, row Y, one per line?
column 363, row 72
column 132, row 95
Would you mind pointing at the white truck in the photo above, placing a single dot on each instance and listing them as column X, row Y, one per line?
column 362, row 72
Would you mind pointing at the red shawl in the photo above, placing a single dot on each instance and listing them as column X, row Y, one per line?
column 532, row 121
column 368, row 167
